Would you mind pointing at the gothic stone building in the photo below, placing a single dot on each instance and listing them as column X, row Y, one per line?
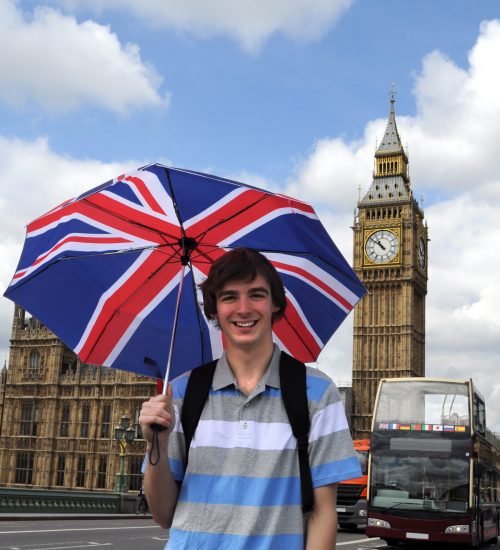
column 57, row 416
column 390, row 257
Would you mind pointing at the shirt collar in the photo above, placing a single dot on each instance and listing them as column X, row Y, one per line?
column 224, row 377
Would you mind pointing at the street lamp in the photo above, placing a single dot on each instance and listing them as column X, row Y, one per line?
column 124, row 434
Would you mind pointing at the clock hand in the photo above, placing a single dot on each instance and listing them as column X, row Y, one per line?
column 377, row 242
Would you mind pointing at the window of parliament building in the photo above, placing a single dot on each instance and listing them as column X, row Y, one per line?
column 57, row 415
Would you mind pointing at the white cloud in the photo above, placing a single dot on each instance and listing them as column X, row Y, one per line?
column 250, row 22
column 454, row 140
column 58, row 63
column 454, row 161
column 463, row 312
column 35, row 179
column 334, row 169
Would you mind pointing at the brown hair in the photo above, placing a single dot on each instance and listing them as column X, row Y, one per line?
column 241, row 264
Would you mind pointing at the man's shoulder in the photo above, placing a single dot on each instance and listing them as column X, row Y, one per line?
column 179, row 385
column 320, row 386
column 314, row 372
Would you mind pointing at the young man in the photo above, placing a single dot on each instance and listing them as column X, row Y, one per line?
column 241, row 486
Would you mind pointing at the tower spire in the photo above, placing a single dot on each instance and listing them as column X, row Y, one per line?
column 391, row 142
column 391, row 181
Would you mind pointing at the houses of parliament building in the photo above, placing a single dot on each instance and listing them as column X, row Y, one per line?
column 58, row 416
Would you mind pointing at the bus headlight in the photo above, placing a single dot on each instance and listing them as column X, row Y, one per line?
column 457, row 529
column 373, row 522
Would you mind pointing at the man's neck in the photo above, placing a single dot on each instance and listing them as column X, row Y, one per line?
column 249, row 366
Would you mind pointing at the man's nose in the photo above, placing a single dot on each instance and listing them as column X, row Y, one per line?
column 243, row 304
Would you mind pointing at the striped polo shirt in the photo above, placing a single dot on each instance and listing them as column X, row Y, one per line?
column 241, row 487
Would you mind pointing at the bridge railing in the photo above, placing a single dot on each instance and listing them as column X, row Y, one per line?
column 17, row 500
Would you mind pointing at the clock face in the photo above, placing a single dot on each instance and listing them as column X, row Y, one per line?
column 382, row 246
column 421, row 253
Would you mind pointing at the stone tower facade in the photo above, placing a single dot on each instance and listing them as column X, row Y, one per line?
column 57, row 416
column 390, row 257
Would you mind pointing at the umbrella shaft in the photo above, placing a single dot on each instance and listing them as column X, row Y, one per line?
column 174, row 330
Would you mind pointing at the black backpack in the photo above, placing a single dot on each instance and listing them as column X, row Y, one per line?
column 294, row 393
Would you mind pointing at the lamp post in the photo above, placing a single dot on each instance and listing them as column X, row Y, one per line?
column 124, row 434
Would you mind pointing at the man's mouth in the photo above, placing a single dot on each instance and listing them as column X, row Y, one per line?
column 245, row 324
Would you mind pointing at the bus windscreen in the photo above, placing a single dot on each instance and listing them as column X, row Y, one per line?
column 424, row 403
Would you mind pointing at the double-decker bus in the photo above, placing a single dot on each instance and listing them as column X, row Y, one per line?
column 351, row 494
column 434, row 466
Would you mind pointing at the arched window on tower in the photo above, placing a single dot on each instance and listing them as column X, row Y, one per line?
column 85, row 421
column 65, row 420
column 35, row 364
column 30, row 413
column 105, row 420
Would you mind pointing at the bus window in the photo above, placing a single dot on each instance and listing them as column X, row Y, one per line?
column 479, row 415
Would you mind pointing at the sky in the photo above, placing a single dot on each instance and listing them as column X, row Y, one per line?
column 292, row 96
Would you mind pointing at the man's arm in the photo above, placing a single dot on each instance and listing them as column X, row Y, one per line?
column 160, row 487
column 322, row 521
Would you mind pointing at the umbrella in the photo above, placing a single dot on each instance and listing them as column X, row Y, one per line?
column 114, row 273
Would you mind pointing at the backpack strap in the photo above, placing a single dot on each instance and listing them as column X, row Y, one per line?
column 197, row 390
column 294, row 395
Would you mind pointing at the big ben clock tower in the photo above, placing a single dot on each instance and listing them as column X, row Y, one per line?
column 390, row 257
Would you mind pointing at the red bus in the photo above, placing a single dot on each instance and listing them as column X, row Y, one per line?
column 434, row 467
column 351, row 494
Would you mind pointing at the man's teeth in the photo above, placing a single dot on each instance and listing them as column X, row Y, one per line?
column 246, row 324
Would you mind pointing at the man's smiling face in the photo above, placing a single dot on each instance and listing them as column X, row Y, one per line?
column 244, row 313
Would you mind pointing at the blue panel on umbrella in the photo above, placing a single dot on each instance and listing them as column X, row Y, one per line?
column 124, row 191
column 63, row 299
column 194, row 193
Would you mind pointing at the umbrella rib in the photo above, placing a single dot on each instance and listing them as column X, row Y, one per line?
column 163, row 235
column 187, row 248
column 199, row 320
column 106, row 253
column 174, row 202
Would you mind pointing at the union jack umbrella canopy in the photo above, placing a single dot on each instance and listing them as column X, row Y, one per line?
column 104, row 271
